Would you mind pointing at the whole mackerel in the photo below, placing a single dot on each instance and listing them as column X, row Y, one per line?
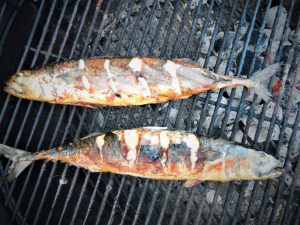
column 156, row 153
column 126, row 81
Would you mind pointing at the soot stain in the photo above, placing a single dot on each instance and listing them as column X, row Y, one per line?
column 153, row 152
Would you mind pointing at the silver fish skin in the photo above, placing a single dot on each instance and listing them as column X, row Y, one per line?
column 156, row 153
column 126, row 81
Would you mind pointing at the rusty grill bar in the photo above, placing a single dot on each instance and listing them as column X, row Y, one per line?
column 54, row 193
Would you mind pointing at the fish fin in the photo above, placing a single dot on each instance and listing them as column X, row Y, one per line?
column 154, row 128
column 184, row 60
column 82, row 104
column 91, row 135
column 191, row 183
column 259, row 77
column 20, row 160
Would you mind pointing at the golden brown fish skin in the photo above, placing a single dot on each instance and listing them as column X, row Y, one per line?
column 120, row 81
column 157, row 153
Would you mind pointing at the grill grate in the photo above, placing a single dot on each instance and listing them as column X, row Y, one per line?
column 76, row 29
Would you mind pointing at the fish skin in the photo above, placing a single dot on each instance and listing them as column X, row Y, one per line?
column 122, row 81
column 213, row 160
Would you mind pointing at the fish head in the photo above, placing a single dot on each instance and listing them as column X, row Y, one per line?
column 265, row 166
column 33, row 85
column 226, row 161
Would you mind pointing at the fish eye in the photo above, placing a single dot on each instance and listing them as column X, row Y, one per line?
column 20, row 74
column 263, row 157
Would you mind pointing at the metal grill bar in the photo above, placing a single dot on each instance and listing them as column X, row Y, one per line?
column 44, row 33
column 241, row 105
column 140, row 52
column 158, row 29
column 87, row 7
column 107, row 191
column 98, row 6
column 31, row 200
column 52, row 170
column 43, row 166
column 80, row 197
column 218, row 62
column 99, row 32
column 172, row 221
column 249, row 119
column 192, row 32
column 297, row 171
column 35, row 123
column 111, row 219
column 76, row 172
column 140, row 202
column 136, row 26
column 3, row 7
column 152, row 204
column 266, row 193
column 183, row 22
column 117, row 50
column 164, row 47
column 297, row 217
column 133, row 185
column 9, row 24
column 92, row 198
column 26, row 147
column 288, row 208
column 201, row 204
column 263, row 111
column 7, row 98
column 163, row 209
column 291, row 141
column 50, row 48
column 189, row 205
column 203, row 31
column 64, row 171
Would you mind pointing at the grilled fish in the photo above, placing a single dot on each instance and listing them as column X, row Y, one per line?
column 126, row 81
column 156, row 153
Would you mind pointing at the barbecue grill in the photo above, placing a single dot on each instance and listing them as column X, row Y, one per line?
column 231, row 37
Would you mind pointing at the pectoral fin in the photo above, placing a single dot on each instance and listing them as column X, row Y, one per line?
column 191, row 183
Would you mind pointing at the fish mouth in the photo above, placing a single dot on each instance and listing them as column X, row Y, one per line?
column 13, row 87
column 276, row 171
column 13, row 91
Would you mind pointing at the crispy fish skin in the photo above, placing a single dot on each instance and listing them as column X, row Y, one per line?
column 156, row 153
column 125, row 81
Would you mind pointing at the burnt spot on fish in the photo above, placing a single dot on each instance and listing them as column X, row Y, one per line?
column 19, row 74
column 138, row 75
column 153, row 152
column 118, row 95
column 209, row 154
column 179, row 153
column 108, row 147
column 211, row 75
column 59, row 149
column 179, row 147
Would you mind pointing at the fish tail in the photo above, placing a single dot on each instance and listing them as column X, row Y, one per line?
column 20, row 160
column 258, row 78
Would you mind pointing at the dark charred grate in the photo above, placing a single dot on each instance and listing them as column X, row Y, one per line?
column 230, row 37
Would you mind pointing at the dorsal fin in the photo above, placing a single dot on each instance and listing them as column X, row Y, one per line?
column 154, row 128
column 184, row 61
column 91, row 135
